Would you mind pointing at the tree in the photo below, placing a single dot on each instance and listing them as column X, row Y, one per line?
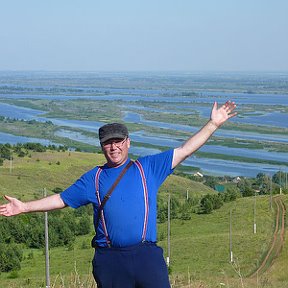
column 279, row 178
column 175, row 205
column 264, row 182
column 206, row 204
column 217, row 200
column 10, row 257
column 35, row 235
column 84, row 226
column 248, row 191
column 211, row 181
column 245, row 188
column 162, row 211
column 5, row 151
column 231, row 194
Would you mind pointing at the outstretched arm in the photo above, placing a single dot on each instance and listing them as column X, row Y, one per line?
column 217, row 118
column 15, row 206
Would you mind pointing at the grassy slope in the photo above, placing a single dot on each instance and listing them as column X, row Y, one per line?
column 279, row 271
column 199, row 247
column 30, row 174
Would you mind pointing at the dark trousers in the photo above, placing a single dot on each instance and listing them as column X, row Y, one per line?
column 139, row 266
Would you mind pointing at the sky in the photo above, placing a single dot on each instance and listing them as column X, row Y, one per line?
column 147, row 35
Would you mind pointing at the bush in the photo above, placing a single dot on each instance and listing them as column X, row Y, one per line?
column 13, row 275
column 10, row 257
column 206, row 204
column 84, row 226
column 29, row 229
column 57, row 190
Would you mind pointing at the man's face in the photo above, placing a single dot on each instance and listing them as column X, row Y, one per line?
column 116, row 151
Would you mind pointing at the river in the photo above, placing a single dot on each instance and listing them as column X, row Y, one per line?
column 183, row 104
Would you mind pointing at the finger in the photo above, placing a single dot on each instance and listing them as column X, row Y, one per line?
column 232, row 115
column 214, row 108
column 3, row 210
column 229, row 107
column 226, row 105
column 8, row 198
column 231, row 104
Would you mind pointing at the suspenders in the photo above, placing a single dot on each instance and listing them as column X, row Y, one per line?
column 145, row 196
column 101, row 204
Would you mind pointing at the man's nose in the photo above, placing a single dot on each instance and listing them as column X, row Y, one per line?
column 113, row 145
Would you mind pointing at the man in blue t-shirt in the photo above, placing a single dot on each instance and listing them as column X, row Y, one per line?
column 126, row 253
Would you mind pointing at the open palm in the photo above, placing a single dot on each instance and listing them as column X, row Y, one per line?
column 14, row 207
column 225, row 112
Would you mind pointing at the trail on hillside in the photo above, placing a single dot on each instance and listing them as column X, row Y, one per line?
column 277, row 241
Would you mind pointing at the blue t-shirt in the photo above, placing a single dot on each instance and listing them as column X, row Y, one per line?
column 124, row 212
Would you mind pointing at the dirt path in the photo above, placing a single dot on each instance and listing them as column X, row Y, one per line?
column 277, row 242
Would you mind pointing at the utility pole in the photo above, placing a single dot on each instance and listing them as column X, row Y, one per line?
column 280, row 181
column 11, row 164
column 254, row 227
column 271, row 194
column 187, row 194
column 168, row 232
column 47, row 265
column 230, row 234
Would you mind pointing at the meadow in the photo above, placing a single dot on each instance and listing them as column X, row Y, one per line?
column 200, row 246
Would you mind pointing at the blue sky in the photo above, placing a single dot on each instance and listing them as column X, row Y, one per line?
column 150, row 35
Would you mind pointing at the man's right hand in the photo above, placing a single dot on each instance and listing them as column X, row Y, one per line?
column 14, row 207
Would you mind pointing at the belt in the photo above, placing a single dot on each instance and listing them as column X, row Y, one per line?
column 130, row 247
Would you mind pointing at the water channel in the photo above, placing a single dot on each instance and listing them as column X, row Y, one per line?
column 211, row 166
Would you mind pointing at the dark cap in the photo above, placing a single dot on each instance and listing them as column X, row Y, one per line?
column 113, row 130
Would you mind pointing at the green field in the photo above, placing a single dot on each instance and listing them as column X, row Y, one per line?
column 199, row 247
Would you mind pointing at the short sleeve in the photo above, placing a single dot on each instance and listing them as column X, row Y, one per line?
column 79, row 193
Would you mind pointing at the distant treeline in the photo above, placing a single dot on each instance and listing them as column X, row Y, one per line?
column 24, row 149
column 11, row 120
column 201, row 205
column 232, row 188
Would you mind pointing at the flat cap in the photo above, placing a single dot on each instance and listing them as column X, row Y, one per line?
column 112, row 131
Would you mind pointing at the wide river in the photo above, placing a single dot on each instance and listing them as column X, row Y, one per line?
column 174, row 93
column 209, row 166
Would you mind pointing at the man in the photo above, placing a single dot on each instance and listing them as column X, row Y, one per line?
column 126, row 254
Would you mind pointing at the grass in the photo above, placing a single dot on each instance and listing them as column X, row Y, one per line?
column 40, row 170
column 279, row 270
column 212, row 232
column 53, row 169
column 199, row 247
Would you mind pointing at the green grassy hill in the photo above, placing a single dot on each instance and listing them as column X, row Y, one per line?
column 26, row 177
column 199, row 247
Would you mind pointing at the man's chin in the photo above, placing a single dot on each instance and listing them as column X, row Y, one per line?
column 115, row 162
